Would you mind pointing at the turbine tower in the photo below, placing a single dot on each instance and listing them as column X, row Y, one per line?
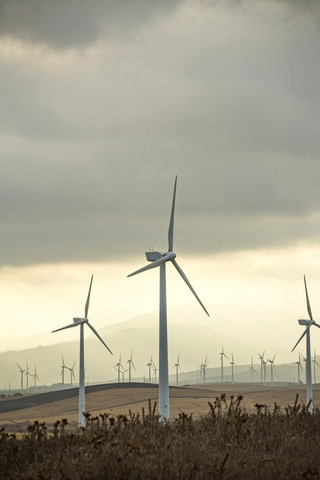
column 177, row 365
column 63, row 367
column 308, row 324
column 21, row 376
column 222, row 354
column 232, row 363
column 252, row 369
column 35, row 377
column 27, row 375
column 299, row 364
column 72, row 376
column 203, row 370
column 272, row 367
column 131, row 364
column 315, row 362
column 119, row 367
column 149, row 365
column 81, row 322
column 159, row 259
column 261, row 364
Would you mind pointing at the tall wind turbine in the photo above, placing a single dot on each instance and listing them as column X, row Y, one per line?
column 63, row 367
column 177, row 365
column 232, row 363
column 203, row 369
column 28, row 374
column 315, row 362
column 71, row 370
column 155, row 370
column 308, row 324
column 131, row 364
column 21, row 376
column 159, row 259
column 222, row 354
column 81, row 322
column 149, row 365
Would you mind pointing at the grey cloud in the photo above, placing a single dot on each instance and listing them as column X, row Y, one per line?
column 76, row 23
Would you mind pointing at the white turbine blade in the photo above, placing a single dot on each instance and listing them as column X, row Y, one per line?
column 189, row 285
column 307, row 297
column 88, row 300
column 316, row 324
column 63, row 361
column 171, row 224
column 302, row 336
column 68, row 326
column 154, row 264
column 97, row 334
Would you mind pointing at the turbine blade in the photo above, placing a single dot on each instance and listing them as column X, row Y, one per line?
column 307, row 297
column 189, row 285
column 154, row 264
column 171, row 224
column 302, row 336
column 68, row 326
column 97, row 334
column 88, row 300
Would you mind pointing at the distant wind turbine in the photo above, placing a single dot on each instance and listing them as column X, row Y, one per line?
column 177, row 365
column 272, row 367
column 308, row 324
column 71, row 370
column 252, row 369
column 81, row 322
column 119, row 367
column 149, row 365
column 155, row 370
column 159, row 259
column 203, row 369
column 261, row 358
column 21, row 376
column 27, row 375
column 298, row 363
column 222, row 354
column 35, row 377
column 232, row 363
column 315, row 362
column 63, row 367
column 131, row 364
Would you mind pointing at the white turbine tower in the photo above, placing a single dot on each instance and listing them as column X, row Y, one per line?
column 131, row 364
column 149, row 365
column 222, row 354
column 63, row 367
column 315, row 362
column 308, row 324
column 21, row 376
column 272, row 367
column 232, row 363
column 177, row 365
column 72, row 376
column 252, row 369
column 35, row 377
column 261, row 364
column 159, row 259
column 81, row 322
column 299, row 364
column 203, row 369
column 119, row 367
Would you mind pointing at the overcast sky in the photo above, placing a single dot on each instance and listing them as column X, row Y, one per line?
column 104, row 102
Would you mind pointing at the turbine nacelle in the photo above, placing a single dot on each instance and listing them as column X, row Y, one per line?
column 152, row 256
column 78, row 321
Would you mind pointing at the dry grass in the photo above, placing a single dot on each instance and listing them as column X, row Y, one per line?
column 227, row 443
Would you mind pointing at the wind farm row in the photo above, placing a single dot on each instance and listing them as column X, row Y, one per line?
column 160, row 374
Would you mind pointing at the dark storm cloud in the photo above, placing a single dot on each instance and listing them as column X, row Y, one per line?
column 76, row 23
column 90, row 148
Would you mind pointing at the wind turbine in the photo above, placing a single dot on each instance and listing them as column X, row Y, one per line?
column 27, row 376
column 203, row 369
column 177, row 365
column 155, row 369
column 315, row 362
column 72, row 376
column 298, row 363
column 261, row 364
column 308, row 324
column 131, row 364
column 232, row 363
column 222, row 354
column 149, row 364
column 272, row 367
column 81, row 322
column 63, row 367
column 159, row 259
column 119, row 367
column 35, row 377
column 21, row 376
column 252, row 369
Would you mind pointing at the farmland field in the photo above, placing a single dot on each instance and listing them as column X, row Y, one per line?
column 16, row 414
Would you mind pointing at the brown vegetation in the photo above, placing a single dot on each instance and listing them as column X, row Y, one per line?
column 227, row 443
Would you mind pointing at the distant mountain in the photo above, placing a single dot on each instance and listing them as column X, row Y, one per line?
column 190, row 334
